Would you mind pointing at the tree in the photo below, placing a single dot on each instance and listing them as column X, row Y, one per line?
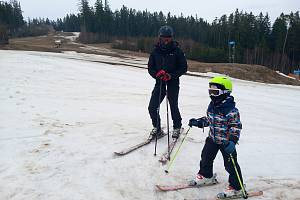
column 86, row 16
column 99, row 16
column 257, row 42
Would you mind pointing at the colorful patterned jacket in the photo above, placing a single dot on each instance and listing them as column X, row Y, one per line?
column 223, row 121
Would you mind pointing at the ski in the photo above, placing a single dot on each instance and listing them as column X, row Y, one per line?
column 250, row 194
column 190, row 184
column 166, row 188
column 137, row 146
column 166, row 156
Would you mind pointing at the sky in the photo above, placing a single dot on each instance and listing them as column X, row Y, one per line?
column 208, row 10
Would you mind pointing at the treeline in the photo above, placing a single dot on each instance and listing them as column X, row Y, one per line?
column 11, row 19
column 257, row 41
column 12, row 23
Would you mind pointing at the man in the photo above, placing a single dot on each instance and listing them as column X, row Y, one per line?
column 166, row 64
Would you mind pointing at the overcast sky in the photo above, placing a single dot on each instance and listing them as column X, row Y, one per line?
column 207, row 10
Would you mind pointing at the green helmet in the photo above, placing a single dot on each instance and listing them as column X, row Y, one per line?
column 222, row 81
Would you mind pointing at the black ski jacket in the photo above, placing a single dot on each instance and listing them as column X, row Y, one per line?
column 170, row 59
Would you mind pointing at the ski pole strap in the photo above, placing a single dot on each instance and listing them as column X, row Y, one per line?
column 245, row 196
column 172, row 160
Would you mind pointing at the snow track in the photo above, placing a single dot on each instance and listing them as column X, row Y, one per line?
column 61, row 120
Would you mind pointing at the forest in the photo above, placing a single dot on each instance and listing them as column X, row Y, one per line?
column 238, row 37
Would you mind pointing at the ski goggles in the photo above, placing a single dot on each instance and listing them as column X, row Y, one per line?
column 217, row 92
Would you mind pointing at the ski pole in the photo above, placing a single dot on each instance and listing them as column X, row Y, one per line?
column 245, row 195
column 157, row 116
column 167, row 102
column 176, row 153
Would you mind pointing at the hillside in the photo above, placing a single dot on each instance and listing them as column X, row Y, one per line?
column 255, row 73
column 64, row 114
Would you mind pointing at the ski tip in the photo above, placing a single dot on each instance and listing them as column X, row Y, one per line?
column 260, row 192
column 161, row 188
column 162, row 161
column 158, row 187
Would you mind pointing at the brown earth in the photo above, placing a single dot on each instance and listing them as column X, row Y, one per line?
column 256, row 73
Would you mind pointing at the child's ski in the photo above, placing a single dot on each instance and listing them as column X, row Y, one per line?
column 166, row 188
column 250, row 194
column 190, row 184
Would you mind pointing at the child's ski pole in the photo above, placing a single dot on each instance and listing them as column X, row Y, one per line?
column 245, row 195
column 172, row 160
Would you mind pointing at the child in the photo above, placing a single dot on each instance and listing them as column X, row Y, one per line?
column 225, row 126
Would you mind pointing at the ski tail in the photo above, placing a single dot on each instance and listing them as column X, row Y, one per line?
column 166, row 188
column 136, row 146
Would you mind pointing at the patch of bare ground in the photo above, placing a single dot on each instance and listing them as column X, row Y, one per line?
column 255, row 73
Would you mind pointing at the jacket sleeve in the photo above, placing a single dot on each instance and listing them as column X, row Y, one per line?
column 181, row 64
column 234, row 125
column 151, row 66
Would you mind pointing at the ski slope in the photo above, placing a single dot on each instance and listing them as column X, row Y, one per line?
column 63, row 115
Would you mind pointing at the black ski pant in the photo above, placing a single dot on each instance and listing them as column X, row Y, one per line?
column 173, row 92
column 208, row 155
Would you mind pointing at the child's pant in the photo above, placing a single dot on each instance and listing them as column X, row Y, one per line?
column 208, row 155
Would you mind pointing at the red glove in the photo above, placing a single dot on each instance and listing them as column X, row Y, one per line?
column 166, row 77
column 160, row 74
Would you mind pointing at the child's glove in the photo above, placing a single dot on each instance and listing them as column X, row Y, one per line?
column 200, row 123
column 193, row 122
column 229, row 147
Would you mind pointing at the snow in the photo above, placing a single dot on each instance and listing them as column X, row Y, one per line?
column 63, row 116
column 282, row 74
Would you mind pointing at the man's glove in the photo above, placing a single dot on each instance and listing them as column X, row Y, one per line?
column 160, row 74
column 166, row 77
column 229, row 146
column 193, row 122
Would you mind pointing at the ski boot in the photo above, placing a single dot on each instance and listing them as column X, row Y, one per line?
column 230, row 193
column 200, row 180
column 155, row 132
column 176, row 133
